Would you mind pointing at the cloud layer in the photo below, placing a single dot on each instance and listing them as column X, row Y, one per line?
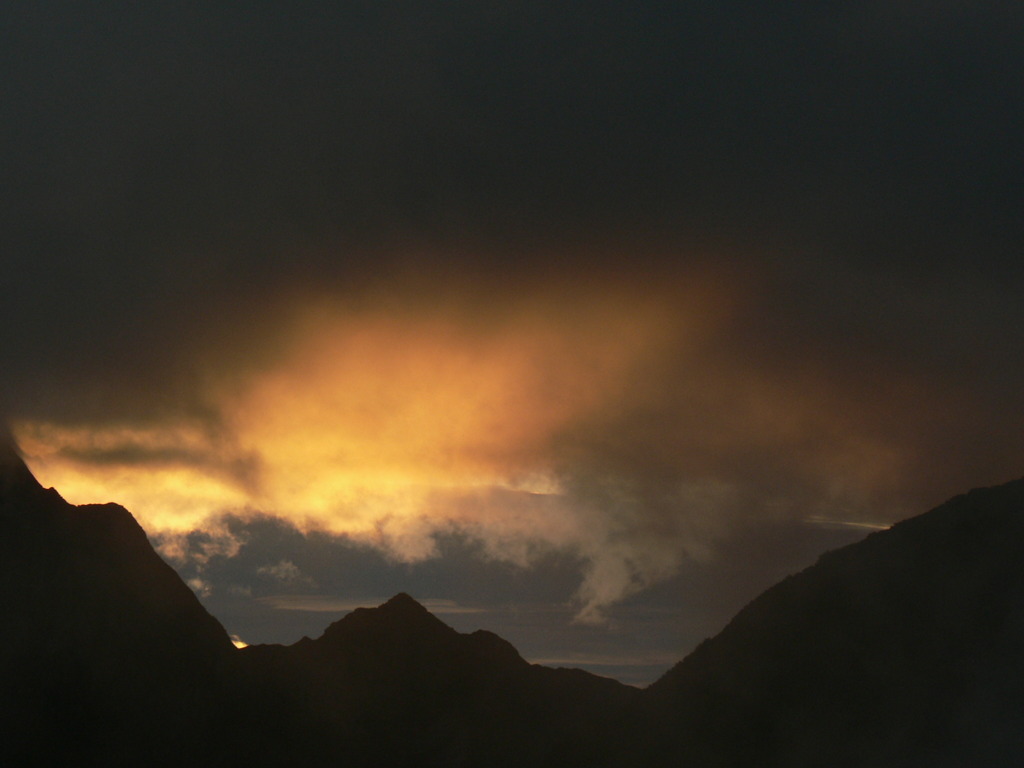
column 634, row 424
column 619, row 283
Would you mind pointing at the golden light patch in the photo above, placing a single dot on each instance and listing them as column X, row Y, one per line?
column 373, row 422
column 390, row 422
column 140, row 468
column 380, row 407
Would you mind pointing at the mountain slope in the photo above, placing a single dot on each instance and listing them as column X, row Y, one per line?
column 105, row 655
column 394, row 685
column 904, row 649
column 107, row 658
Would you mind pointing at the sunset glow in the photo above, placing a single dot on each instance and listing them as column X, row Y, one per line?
column 599, row 320
column 602, row 421
column 389, row 428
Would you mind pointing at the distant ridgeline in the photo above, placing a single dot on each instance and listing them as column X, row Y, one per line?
column 906, row 649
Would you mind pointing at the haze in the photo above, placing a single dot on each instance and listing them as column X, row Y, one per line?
column 596, row 321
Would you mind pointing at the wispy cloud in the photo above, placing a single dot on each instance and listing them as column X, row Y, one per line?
column 331, row 604
column 285, row 572
column 828, row 522
column 627, row 423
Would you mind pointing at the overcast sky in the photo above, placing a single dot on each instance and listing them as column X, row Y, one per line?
column 584, row 322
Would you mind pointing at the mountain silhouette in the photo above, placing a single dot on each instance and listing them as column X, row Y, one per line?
column 904, row 649
column 397, row 686
column 105, row 655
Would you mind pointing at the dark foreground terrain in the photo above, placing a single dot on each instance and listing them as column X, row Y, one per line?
column 904, row 649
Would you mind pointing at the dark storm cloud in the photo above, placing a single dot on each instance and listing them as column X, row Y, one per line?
column 164, row 163
column 179, row 178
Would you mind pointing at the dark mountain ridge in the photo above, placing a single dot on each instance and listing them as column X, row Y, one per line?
column 904, row 649
column 108, row 658
column 400, row 687
column 97, row 629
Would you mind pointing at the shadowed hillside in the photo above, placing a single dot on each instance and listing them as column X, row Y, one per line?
column 904, row 649
column 105, row 655
column 397, row 686
column 107, row 658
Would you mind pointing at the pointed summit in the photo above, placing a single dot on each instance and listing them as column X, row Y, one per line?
column 403, row 602
column 9, row 453
column 400, row 620
column 15, row 476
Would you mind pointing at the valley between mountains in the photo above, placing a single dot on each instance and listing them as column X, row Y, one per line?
column 904, row 649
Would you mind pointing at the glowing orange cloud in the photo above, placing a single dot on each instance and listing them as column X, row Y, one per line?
column 366, row 417
column 139, row 467
column 629, row 424
column 383, row 404
column 389, row 424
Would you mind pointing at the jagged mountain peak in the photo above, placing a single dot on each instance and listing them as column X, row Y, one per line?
column 14, row 473
column 90, row 571
column 901, row 649
column 403, row 601
column 402, row 639
column 8, row 445
column 399, row 619
column 104, row 651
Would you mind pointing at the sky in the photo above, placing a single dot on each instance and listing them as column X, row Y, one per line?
column 579, row 323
